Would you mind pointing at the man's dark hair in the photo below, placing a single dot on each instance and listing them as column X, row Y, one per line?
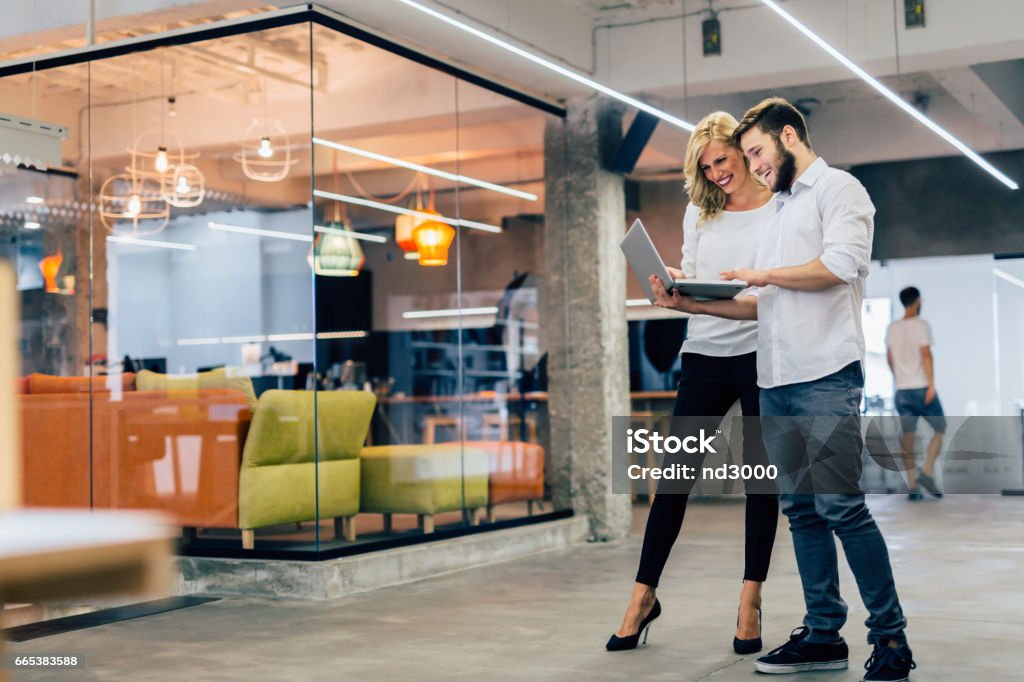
column 771, row 116
column 909, row 296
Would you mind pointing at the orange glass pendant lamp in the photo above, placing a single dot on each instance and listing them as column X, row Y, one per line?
column 432, row 239
column 49, row 267
column 404, row 225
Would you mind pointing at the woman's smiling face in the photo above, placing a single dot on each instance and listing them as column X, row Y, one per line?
column 723, row 165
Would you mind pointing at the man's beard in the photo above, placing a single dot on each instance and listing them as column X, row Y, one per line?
column 786, row 172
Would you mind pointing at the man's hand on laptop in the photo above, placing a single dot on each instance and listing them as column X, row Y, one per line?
column 672, row 300
column 753, row 278
column 675, row 274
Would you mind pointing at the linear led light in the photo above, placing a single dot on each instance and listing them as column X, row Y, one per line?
column 412, row 255
column 405, row 211
column 637, row 302
column 551, row 66
column 151, row 242
column 452, row 312
column 296, row 237
column 261, row 233
column 209, row 341
column 301, row 336
column 34, row 200
column 890, row 95
column 31, row 225
column 272, row 338
column 464, row 179
column 243, row 339
column 342, row 335
column 349, row 233
column 1002, row 274
column 308, row 336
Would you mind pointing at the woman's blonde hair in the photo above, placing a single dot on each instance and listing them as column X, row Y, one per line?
column 706, row 195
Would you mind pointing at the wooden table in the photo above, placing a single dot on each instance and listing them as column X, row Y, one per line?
column 61, row 554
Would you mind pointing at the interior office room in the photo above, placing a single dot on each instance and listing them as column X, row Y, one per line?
column 321, row 345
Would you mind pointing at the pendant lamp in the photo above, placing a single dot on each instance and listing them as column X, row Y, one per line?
column 432, row 237
column 335, row 254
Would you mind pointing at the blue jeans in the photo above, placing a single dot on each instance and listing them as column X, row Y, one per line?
column 910, row 405
column 812, row 432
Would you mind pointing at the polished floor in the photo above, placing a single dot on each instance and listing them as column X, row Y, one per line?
column 958, row 564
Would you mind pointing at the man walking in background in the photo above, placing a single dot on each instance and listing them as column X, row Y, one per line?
column 909, row 345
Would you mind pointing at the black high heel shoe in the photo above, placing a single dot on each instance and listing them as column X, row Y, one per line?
column 748, row 646
column 616, row 643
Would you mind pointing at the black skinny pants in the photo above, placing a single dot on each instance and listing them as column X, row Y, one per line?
column 707, row 388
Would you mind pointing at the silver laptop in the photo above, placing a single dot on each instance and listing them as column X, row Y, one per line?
column 645, row 261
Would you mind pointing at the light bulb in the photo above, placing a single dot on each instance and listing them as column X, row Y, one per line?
column 161, row 160
column 171, row 112
column 182, row 186
column 134, row 205
column 265, row 150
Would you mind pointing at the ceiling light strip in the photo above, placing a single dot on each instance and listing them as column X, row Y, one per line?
column 151, row 242
column 1002, row 274
column 452, row 312
column 405, row 211
column 299, row 336
column 260, row 233
column 464, row 179
column 258, row 338
column 890, row 95
column 350, row 233
column 272, row 338
column 199, row 342
column 342, row 335
column 551, row 66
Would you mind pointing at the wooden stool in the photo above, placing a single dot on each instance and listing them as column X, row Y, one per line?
column 506, row 427
column 433, row 421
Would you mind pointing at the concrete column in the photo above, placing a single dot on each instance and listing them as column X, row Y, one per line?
column 584, row 311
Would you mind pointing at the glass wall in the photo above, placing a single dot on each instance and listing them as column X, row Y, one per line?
column 45, row 223
column 286, row 290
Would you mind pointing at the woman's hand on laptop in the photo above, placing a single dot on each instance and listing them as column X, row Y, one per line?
column 753, row 278
column 672, row 300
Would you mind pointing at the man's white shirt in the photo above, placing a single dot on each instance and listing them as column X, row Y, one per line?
column 807, row 335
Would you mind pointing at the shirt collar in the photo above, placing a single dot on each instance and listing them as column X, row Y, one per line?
column 807, row 179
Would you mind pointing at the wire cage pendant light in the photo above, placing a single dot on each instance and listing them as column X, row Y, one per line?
column 132, row 205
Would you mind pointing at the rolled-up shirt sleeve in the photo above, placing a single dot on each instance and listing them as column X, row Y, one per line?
column 847, row 227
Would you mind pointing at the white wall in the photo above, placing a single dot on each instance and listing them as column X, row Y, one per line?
column 231, row 285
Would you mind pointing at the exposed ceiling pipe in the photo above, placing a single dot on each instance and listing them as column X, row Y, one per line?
column 90, row 24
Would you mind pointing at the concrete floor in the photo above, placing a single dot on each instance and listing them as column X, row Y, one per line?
column 958, row 565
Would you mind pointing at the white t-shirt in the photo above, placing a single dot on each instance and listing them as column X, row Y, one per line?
column 726, row 243
column 904, row 340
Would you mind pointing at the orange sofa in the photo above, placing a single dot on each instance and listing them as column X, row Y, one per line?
column 175, row 451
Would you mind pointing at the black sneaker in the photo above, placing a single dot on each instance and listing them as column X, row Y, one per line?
column 798, row 655
column 915, row 495
column 928, row 483
column 888, row 664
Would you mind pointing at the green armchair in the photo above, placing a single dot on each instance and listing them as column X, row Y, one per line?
column 279, row 479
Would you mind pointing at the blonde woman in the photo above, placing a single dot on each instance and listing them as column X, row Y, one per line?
column 719, row 366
